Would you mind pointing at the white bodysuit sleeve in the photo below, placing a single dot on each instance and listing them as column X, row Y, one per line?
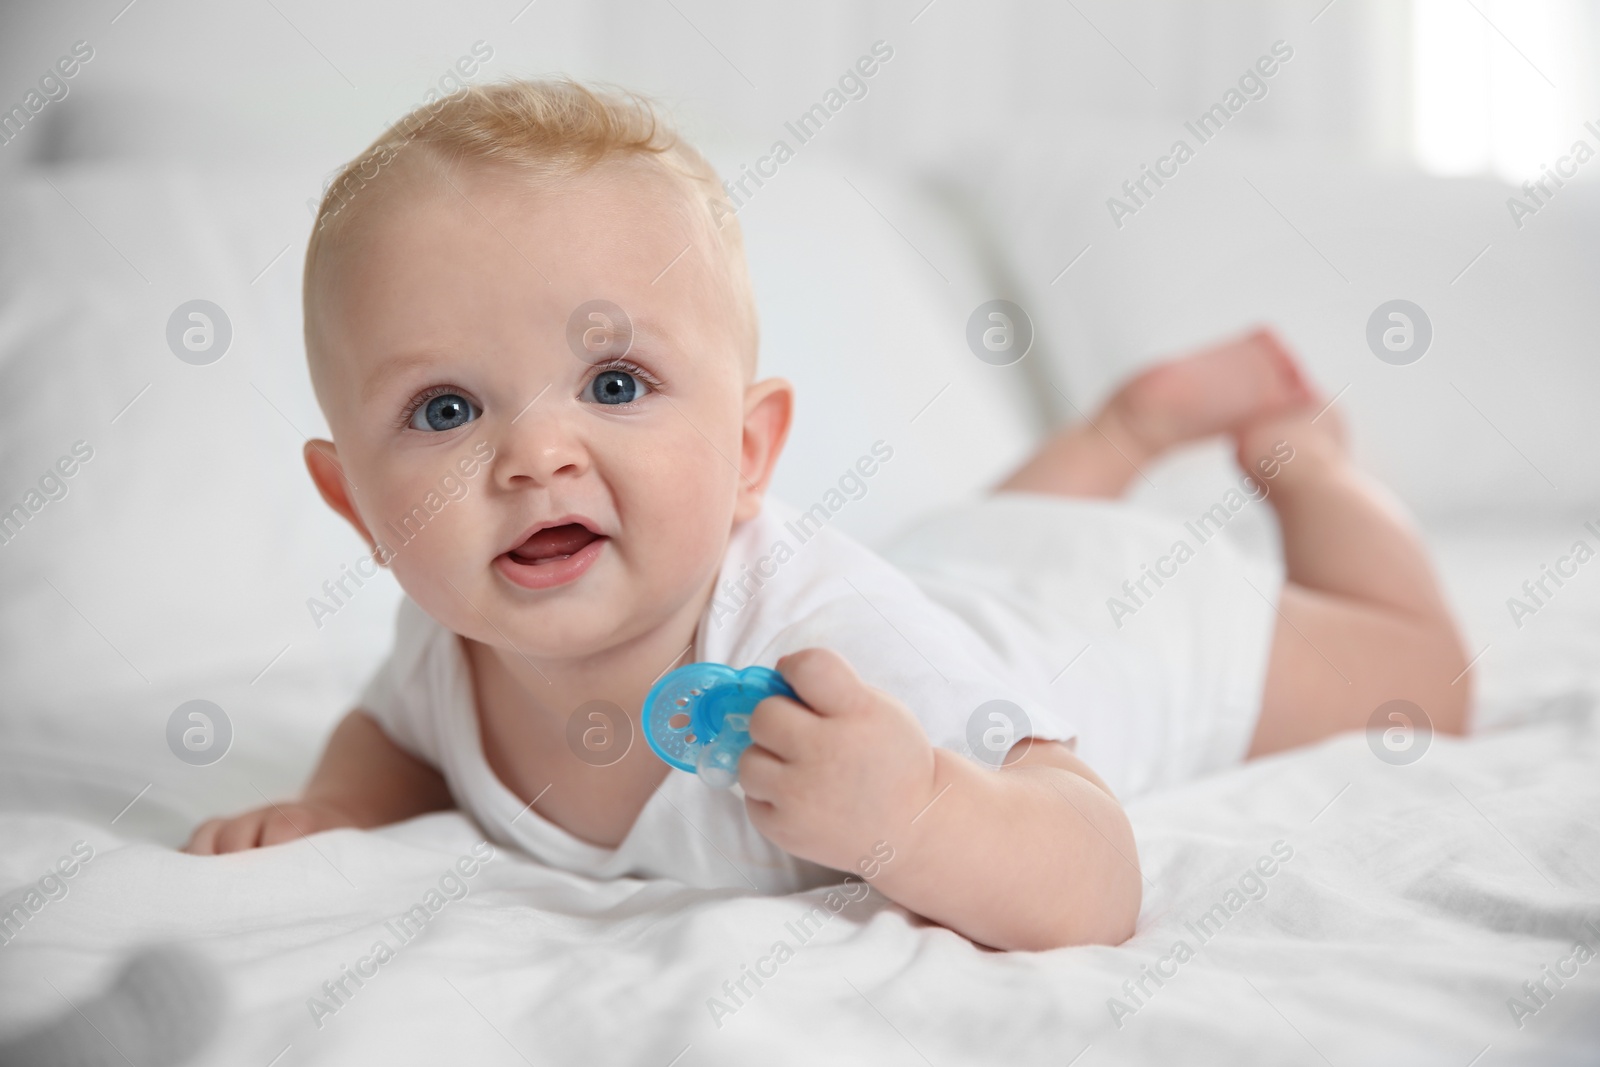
column 401, row 693
column 934, row 663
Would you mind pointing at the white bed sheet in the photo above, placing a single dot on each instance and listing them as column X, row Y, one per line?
column 1417, row 900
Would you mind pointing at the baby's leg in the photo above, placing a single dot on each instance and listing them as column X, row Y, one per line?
column 1217, row 390
column 1361, row 618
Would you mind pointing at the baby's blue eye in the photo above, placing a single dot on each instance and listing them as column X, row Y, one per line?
column 616, row 387
column 443, row 412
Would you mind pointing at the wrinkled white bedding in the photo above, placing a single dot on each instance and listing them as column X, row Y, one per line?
column 1415, row 902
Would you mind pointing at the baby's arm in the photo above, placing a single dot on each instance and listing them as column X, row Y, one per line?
column 1035, row 856
column 363, row 780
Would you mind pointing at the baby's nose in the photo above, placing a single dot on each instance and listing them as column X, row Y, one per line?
column 539, row 447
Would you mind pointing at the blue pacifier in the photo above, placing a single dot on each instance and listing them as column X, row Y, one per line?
column 697, row 717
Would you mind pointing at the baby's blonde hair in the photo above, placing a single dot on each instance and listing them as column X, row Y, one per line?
column 546, row 129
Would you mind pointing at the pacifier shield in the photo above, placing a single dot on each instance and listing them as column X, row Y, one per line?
column 687, row 711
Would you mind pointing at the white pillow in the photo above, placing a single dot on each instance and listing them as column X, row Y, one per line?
column 865, row 282
column 179, row 562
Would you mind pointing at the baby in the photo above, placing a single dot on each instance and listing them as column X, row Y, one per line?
column 540, row 289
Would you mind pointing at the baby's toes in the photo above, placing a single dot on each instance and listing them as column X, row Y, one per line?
column 1213, row 391
column 1280, row 380
column 278, row 829
column 239, row 834
column 203, row 842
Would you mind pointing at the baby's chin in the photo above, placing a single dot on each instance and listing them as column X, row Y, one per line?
column 602, row 610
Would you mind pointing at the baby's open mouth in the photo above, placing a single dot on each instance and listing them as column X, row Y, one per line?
column 554, row 543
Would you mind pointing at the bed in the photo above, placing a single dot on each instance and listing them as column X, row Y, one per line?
column 1415, row 912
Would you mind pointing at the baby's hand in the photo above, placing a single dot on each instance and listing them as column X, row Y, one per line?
column 271, row 825
column 826, row 779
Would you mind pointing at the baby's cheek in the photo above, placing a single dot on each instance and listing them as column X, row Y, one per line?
column 432, row 540
column 675, row 497
column 681, row 553
column 682, row 505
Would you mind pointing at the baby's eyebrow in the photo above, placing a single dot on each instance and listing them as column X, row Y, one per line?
column 654, row 333
column 393, row 368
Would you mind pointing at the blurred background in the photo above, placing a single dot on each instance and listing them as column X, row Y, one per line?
column 1446, row 86
column 990, row 155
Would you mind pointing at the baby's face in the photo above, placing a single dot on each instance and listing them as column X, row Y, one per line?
column 614, row 482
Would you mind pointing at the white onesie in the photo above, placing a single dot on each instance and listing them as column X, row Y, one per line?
column 787, row 582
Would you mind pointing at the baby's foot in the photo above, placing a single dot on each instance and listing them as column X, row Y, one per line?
column 1214, row 391
column 1286, row 447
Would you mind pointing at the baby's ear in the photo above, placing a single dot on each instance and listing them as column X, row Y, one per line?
column 322, row 460
column 768, row 407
